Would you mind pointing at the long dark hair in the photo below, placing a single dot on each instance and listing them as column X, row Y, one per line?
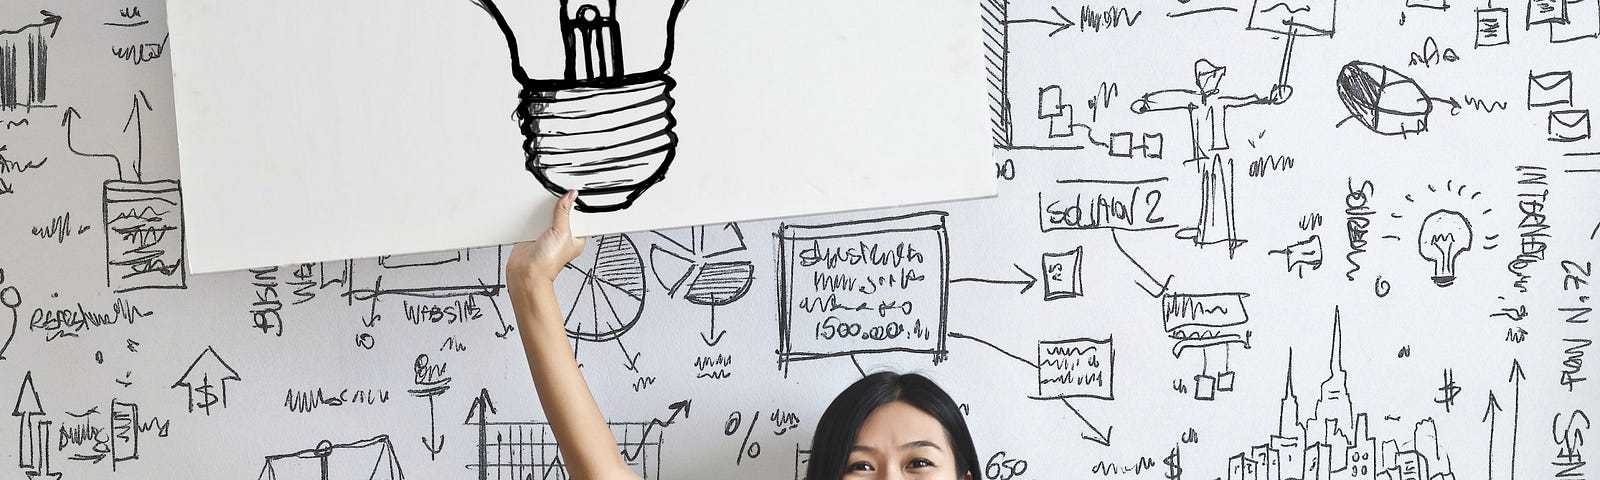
column 836, row 430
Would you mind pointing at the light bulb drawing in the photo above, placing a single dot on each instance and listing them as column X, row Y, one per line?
column 1444, row 236
column 1446, row 231
column 601, row 129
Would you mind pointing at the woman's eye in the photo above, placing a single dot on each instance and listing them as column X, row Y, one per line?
column 861, row 467
column 921, row 463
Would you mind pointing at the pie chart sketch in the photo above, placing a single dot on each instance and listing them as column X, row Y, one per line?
column 606, row 285
column 691, row 273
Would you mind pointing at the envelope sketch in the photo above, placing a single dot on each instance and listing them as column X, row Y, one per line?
column 1569, row 125
column 1549, row 89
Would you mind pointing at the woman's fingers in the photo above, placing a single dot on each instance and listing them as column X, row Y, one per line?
column 561, row 221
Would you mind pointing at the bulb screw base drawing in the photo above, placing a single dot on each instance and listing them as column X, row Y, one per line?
column 610, row 142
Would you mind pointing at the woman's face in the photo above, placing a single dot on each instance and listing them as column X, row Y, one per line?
column 900, row 441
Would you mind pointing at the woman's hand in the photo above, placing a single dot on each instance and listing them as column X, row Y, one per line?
column 543, row 259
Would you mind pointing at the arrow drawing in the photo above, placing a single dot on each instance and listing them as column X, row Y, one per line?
column 681, row 407
column 1516, row 379
column 67, row 121
column 1161, row 287
column 433, row 442
column 1489, row 414
column 34, row 442
column 1061, row 25
column 631, row 359
column 136, row 121
column 715, row 335
column 1027, row 283
column 1102, row 438
column 207, row 368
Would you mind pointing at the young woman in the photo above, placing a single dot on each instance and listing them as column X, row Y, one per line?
column 885, row 426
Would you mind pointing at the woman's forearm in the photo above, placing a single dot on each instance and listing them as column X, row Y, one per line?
column 587, row 444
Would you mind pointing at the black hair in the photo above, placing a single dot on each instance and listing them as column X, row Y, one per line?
column 836, row 430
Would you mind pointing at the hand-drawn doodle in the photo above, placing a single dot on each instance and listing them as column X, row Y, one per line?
column 1334, row 440
column 1444, row 236
column 1492, row 27
column 1428, row 4
column 1515, row 378
column 1069, row 369
column 430, row 382
column 1063, row 274
column 1579, row 20
column 1567, row 126
column 142, row 220
column 1448, row 391
column 24, row 87
column 198, row 378
column 1076, row 368
column 512, row 450
column 1549, row 89
column 1084, row 204
column 372, row 459
column 11, row 299
column 1386, row 101
column 1203, row 322
column 601, row 129
column 1542, row 12
column 1027, row 281
column 1208, row 125
column 1446, row 233
column 143, row 223
column 1431, row 55
column 607, row 286
column 1206, row 106
column 996, row 54
column 33, row 432
column 1293, row 19
column 438, row 287
column 1302, row 254
column 1198, row 321
column 743, row 425
column 690, row 272
column 825, row 274
column 1052, row 108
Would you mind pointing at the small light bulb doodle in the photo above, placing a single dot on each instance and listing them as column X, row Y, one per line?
column 1444, row 236
column 1446, row 231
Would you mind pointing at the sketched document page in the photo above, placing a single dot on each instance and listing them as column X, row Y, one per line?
column 374, row 127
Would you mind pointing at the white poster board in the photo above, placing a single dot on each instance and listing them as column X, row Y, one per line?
column 1115, row 313
column 399, row 116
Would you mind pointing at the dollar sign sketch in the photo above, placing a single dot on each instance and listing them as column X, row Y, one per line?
column 1174, row 467
column 207, row 398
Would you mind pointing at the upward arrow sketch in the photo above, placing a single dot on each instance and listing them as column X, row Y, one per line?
column 1489, row 414
column 28, row 409
column 481, row 408
column 678, row 408
column 27, row 399
column 207, row 368
column 136, row 122
column 1516, row 379
column 67, row 121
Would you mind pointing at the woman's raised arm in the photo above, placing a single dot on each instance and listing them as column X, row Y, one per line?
column 587, row 445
